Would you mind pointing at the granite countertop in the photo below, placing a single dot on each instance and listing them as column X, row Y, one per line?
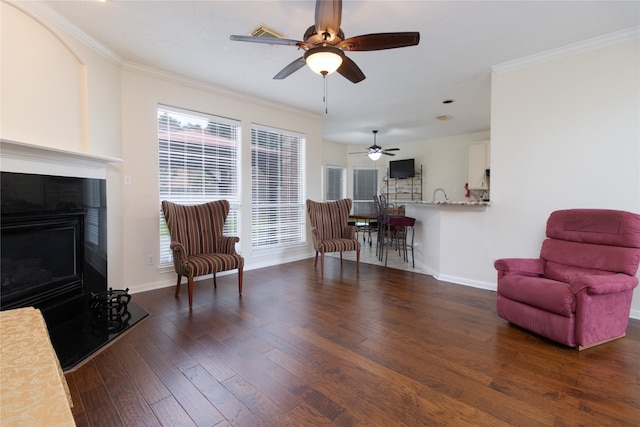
column 450, row 203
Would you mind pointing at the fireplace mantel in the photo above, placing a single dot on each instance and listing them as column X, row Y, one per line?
column 29, row 158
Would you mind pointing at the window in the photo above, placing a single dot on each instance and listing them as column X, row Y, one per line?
column 277, row 196
column 198, row 162
column 334, row 183
column 365, row 186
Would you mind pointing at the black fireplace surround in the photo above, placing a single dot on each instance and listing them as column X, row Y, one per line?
column 54, row 257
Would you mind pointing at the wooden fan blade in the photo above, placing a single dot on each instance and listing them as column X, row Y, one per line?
column 328, row 17
column 290, row 69
column 388, row 154
column 269, row 40
column 391, row 149
column 380, row 41
column 351, row 71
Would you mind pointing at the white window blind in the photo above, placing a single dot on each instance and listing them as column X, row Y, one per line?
column 198, row 162
column 365, row 186
column 277, row 196
column 334, row 183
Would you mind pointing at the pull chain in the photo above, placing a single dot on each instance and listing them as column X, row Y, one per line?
column 325, row 92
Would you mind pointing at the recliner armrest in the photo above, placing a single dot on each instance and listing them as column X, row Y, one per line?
column 522, row 266
column 605, row 284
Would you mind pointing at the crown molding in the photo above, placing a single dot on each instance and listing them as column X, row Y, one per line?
column 572, row 49
column 47, row 16
column 211, row 88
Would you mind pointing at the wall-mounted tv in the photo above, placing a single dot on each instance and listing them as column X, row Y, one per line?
column 402, row 168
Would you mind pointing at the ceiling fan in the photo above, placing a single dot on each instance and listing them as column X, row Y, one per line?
column 324, row 44
column 375, row 151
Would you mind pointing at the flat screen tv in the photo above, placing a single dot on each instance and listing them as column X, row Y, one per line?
column 402, row 168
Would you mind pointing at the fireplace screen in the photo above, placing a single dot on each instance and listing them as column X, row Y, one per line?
column 40, row 259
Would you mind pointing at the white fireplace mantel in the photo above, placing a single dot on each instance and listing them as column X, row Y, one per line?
column 28, row 158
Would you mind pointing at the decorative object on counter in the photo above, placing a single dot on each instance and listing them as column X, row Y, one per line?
column 479, row 195
column 579, row 291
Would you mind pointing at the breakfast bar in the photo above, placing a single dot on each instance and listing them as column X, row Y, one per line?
column 446, row 233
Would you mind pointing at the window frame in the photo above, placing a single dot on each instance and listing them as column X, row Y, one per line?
column 210, row 165
column 278, row 209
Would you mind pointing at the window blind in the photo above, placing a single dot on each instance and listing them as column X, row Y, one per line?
column 334, row 183
column 277, row 196
column 365, row 186
column 198, row 162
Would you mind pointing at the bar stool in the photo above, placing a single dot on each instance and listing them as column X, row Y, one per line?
column 400, row 225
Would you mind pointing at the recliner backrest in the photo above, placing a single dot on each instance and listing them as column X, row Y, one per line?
column 591, row 241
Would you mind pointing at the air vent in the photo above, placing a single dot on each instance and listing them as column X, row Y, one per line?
column 264, row 31
column 444, row 117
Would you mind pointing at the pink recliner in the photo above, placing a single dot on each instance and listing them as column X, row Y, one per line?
column 579, row 291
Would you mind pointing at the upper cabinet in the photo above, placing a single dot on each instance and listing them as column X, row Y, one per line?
column 479, row 164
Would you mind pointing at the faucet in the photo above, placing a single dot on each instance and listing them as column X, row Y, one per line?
column 443, row 192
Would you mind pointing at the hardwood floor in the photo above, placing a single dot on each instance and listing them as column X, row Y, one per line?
column 384, row 347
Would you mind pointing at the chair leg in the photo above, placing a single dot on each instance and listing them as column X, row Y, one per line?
column 190, row 292
column 215, row 282
column 340, row 259
column 178, row 285
column 322, row 262
column 358, row 260
column 240, row 281
column 315, row 264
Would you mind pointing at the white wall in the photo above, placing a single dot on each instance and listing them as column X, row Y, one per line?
column 56, row 92
column 142, row 91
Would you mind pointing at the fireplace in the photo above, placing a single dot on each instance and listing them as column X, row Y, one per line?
column 53, row 230
column 54, row 257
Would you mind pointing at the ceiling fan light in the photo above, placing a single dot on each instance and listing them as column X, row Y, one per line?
column 324, row 59
column 375, row 155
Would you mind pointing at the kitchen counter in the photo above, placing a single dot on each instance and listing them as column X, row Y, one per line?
column 449, row 203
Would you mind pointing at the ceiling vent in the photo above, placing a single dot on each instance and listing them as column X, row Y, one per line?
column 264, row 31
column 444, row 117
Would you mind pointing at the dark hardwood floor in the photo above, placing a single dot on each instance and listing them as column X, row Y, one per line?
column 380, row 348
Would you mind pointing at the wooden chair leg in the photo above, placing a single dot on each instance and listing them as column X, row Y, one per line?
column 178, row 285
column 215, row 283
column 315, row 264
column 340, row 259
column 322, row 262
column 190, row 292
column 240, row 281
column 358, row 260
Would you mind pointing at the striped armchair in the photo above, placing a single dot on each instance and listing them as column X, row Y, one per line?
column 330, row 231
column 197, row 243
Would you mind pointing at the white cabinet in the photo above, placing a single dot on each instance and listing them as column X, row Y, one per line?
column 479, row 155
